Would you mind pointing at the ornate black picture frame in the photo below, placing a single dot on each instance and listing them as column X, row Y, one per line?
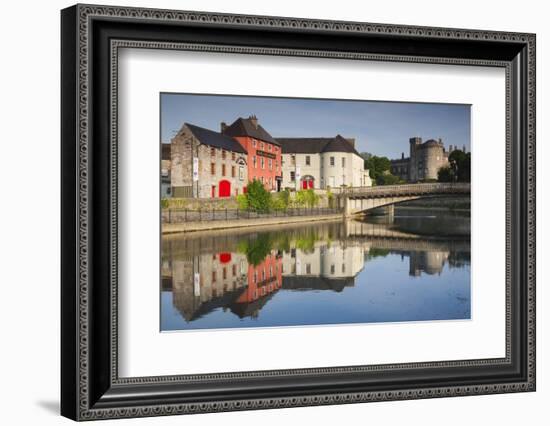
column 91, row 36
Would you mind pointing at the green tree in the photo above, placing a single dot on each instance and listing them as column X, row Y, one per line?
column 258, row 197
column 377, row 166
column 382, row 164
column 445, row 174
column 387, row 179
column 460, row 164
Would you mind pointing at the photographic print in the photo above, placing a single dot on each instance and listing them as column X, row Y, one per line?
column 280, row 212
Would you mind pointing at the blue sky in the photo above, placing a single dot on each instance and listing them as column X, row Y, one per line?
column 381, row 128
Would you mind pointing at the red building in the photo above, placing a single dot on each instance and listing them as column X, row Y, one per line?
column 263, row 152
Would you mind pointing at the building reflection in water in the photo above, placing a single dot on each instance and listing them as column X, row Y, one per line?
column 243, row 279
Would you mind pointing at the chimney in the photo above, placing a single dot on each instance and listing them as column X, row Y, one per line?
column 440, row 141
column 254, row 120
column 223, row 126
column 402, row 155
column 464, row 148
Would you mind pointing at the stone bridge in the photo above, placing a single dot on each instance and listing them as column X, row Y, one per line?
column 362, row 199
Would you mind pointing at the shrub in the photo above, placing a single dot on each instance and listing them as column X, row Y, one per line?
column 330, row 198
column 242, row 201
column 306, row 197
column 281, row 200
column 258, row 197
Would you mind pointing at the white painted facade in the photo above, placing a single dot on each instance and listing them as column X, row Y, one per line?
column 328, row 169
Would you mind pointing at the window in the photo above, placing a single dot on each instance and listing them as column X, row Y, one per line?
column 233, row 156
column 292, row 176
column 224, row 273
column 293, row 160
column 224, row 154
column 263, row 162
column 212, row 168
column 269, row 147
column 213, row 276
column 308, row 268
column 212, row 152
column 261, row 145
column 308, row 160
column 223, row 169
column 332, row 161
column 241, row 173
column 254, row 161
column 254, row 143
column 332, row 269
column 270, row 164
column 234, row 270
column 233, row 171
column 343, row 162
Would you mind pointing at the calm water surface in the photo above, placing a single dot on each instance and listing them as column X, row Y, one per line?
column 414, row 266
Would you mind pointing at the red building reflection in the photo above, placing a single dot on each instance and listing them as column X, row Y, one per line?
column 263, row 279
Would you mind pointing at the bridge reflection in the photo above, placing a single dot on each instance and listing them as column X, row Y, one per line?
column 241, row 272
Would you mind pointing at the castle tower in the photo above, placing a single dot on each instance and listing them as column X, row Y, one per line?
column 414, row 143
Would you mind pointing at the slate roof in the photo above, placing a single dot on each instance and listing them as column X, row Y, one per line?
column 245, row 127
column 307, row 283
column 215, row 139
column 316, row 145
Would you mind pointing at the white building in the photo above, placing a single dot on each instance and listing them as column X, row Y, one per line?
column 320, row 163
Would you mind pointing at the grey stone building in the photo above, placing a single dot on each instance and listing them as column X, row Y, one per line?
column 424, row 161
column 206, row 164
column 165, row 169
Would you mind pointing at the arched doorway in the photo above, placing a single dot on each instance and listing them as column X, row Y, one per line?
column 308, row 182
column 225, row 188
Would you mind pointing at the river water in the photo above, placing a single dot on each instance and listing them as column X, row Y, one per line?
column 412, row 266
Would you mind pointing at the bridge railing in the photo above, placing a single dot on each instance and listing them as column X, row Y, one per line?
column 408, row 189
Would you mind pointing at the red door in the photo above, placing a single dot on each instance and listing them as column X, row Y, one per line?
column 310, row 184
column 225, row 188
column 304, row 184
